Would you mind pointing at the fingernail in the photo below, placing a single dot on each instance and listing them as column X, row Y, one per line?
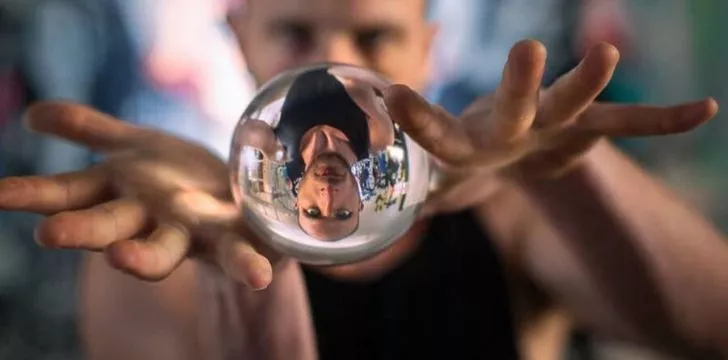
column 54, row 239
column 259, row 278
column 694, row 112
column 36, row 235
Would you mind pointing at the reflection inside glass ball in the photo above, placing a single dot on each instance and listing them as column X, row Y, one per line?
column 320, row 169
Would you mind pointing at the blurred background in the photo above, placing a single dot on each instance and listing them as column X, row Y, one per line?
column 173, row 64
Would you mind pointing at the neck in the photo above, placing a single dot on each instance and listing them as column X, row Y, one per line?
column 373, row 268
column 326, row 139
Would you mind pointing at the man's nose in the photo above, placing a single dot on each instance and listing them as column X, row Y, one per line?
column 326, row 198
column 337, row 48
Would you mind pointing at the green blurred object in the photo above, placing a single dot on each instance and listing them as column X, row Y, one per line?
column 710, row 152
column 683, row 54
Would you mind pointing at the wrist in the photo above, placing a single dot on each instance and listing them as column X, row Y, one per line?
column 551, row 169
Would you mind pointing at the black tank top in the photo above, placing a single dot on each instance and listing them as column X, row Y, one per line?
column 448, row 300
column 317, row 98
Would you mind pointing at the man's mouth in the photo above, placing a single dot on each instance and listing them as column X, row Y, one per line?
column 328, row 172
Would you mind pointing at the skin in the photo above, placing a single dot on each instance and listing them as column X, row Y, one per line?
column 328, row 199
column 590, row 230
column 328, row 205
column 288, row 34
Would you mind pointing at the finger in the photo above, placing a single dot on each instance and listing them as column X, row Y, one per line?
column 573, row 92
column 94, row 228
column 555, row 163
column 516, row 98
column 638, row 120
column 154, row 258
column 225, row 237
column 82, row 125
column 51, row 194
column 241, row 262
column 462, row 193
column 436, row 131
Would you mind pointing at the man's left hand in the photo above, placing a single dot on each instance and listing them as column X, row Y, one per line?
column 525, row 132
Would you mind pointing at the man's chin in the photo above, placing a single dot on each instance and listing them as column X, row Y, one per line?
column 358, row 272
column 331, row 157
column 379, row 265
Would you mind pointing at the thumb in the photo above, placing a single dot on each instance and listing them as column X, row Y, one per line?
column 438, row 132
column 82, row 125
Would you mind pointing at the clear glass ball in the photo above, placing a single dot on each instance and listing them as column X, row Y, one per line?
column 320, row 170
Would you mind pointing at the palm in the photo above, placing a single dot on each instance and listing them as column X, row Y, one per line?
column 522, row 119
column 525, row 130
column 166, row 167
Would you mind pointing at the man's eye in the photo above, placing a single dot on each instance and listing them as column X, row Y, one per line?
column 343, row 214
column 313, row 212
column 297, row 36
column 371, row 41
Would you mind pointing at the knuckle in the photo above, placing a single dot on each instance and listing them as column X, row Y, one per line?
column 55, row 232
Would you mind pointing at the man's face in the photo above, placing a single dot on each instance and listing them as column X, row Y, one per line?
column 391, row 37
column 328, row 199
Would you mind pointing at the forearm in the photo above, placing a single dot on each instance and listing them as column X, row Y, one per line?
column 277, row 321
column 196, row 313
column 656, row 261
column 125, row 318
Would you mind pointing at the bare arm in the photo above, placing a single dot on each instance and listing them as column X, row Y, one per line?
column 183, row 190
column 627, row 257
column 360, row 86
column 258, row 134
column 124, row 318
column 381, row 134
column 607, row 240
column 193, row 314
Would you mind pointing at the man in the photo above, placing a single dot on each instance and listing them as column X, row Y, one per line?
column 577, row 218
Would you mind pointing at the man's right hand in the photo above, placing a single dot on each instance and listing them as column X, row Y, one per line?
column 154, row 201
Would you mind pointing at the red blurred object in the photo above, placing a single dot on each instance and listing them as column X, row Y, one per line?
column 604, row 21
column 11, row 95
